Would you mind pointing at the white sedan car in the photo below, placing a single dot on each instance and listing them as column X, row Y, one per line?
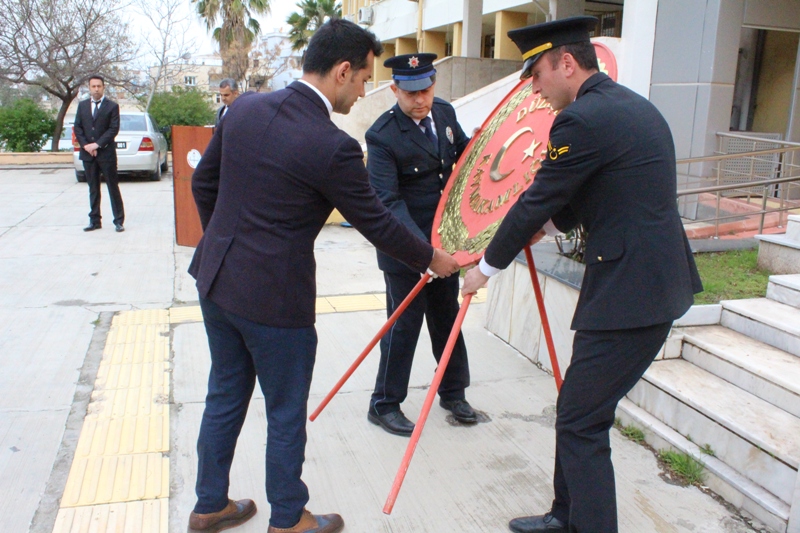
column 141, row 147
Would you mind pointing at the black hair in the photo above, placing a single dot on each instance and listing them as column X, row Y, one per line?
column 583, row 52
column 337, row 41
column 97, row 77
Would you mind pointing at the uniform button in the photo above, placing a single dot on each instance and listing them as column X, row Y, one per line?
column 416, row 170
column 443, row 161
column 599, row 257
column 440, row 175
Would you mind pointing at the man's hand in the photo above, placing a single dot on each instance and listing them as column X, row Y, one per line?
column 443, row 264
column 91, row 148
column 474, row 280
column 537, row 237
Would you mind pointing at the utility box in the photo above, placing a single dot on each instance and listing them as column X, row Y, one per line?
column 188, row 146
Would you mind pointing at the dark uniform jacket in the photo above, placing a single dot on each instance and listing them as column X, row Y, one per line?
column 102, row 129
column 407, row 171
column 272, row 173
column 611, row 167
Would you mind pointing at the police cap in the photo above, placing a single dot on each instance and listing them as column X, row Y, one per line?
column 534, row 41
column 412, row 72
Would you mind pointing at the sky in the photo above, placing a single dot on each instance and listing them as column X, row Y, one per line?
column 280, row 10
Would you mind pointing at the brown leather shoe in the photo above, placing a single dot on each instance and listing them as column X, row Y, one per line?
column 313, row 523
column 235, row 514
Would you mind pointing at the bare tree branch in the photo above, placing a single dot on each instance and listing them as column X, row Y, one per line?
column 58, row 44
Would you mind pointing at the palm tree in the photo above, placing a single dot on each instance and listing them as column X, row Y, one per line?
column 311, row 15
column 237, row 30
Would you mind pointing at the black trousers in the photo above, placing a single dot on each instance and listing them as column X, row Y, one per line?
column 438, row 304
column 605, row 366
column 108, row 168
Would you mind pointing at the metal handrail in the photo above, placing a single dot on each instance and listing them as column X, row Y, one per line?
column 785, row 165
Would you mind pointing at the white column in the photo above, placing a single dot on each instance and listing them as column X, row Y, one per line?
column 793, row 133
column 471, row 42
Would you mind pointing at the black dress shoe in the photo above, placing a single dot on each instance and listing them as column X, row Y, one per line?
column 395, row 423
column 92, row 227
column 119, row 228
column 546, row 523
column 461, row 409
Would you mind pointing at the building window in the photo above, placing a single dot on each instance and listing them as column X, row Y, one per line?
column 488, row 46
column 190, row 80
column 218, row 98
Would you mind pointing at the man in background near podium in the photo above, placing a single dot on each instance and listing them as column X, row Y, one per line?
column 96, row 126
column 411, row 152
column 610, row 166
column 228, row 92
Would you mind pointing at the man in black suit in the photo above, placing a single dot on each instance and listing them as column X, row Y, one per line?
column 96, row 126
column 411, row 152
column 610, row 166
column 228, row 92
column 285, row 167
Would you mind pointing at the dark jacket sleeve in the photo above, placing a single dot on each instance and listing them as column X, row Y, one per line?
column 554, row 185
column 78, row 127
column 205, row 179
column 383, row 175
column 113, row 127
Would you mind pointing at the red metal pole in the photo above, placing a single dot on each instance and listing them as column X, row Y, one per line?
column 548, row 336
column 426, row 407
column 392, row 319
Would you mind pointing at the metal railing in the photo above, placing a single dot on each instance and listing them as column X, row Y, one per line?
column 770, row 175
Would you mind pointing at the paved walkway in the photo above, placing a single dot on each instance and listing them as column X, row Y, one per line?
column 103, row 378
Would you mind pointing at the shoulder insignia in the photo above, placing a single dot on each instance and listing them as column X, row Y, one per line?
column 383, row 120
column 554, row 152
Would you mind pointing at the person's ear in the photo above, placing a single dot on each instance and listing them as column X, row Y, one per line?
column 342, row 71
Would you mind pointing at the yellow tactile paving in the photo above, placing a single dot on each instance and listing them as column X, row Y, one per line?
column 119, row 403
column 145, row 316
column 151, row 516
column 116, row 478
column 362, row 302
column 178, row 315
column 129, row 435
column 132, row 375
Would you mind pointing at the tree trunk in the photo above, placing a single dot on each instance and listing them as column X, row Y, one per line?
column 62, row 112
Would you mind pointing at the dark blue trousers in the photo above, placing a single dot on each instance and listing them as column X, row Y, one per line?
column 283, row 361
column 605, row 366
column 108, row 168
column 438, row 304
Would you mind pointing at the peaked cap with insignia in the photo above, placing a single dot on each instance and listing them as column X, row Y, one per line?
column 534, row 41
column 412, row 72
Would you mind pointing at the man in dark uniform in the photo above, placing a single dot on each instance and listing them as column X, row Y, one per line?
column 96, row 126
column 411, row 150
column 610, row 166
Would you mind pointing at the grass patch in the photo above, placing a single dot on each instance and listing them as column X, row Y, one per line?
column 708, row 450
column 683, row 466
column 730, row 275
column 631, row 432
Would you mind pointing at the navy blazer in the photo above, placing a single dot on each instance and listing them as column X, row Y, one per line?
column 270, row 177
column 408, row 172
column 611, row 167
column 102, row 129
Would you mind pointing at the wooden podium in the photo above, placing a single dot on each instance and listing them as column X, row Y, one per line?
column 188, row 145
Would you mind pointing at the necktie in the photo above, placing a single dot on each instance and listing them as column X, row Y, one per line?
column 96, row 105
column 426, row 123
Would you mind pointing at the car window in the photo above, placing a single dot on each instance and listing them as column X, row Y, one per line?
column 153, row 122
column 132, row 123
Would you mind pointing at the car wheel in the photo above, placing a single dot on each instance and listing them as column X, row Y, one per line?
column 156, row 174
column 165, row 165
column 80, row 176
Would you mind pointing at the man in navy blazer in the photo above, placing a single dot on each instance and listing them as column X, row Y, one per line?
column 609, row 165
column 96, row 126
column 274, row 170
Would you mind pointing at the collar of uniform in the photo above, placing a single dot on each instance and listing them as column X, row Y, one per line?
column 325, row 100
column 593, row 80
column 430, row 116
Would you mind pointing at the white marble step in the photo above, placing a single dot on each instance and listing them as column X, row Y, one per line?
column 735, row 488
column 785, row 289
column 793, row 228
column 755, row 438
column 766, row 320
column 771, row 374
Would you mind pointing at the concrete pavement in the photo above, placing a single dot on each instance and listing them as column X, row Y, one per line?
column 66, row 298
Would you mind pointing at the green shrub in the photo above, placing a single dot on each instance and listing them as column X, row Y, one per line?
column 683, row 466
column 181, row 107
column 24, row 126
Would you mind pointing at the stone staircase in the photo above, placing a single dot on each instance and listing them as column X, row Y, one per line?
column 733, row 389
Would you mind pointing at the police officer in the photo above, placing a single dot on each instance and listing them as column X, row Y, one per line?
column 411, row 150
column 610, row 166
